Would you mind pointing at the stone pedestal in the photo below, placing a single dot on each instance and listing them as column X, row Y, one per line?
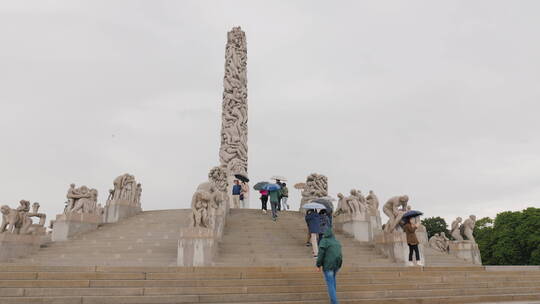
column 394, row 246
column 466, row 250
column 362, row 226
column 69, row 225
column 197, row 246
column 120, row 209
column 357, row 225
column 18, row 245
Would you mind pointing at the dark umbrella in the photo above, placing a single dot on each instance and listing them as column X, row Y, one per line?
column 271, row 187
column 242, row 177
column 260, row 185
column 411, row 213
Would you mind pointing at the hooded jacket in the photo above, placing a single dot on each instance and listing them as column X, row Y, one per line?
column 329, row 257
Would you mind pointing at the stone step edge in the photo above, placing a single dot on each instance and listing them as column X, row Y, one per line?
column 423, row 300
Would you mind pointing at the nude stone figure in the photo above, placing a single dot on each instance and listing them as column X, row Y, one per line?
column 372, row 201
column 456, row 229
column 394, row 213
column 342, row 207
column 468, row 228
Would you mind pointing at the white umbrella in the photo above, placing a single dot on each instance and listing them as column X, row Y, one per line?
column 314, row 206
column 279, row 177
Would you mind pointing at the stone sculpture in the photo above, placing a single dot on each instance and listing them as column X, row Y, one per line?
column 16, row 221
column 342, row 206
column 35, row 213
column 455, row 229
column 209, row 197
column 316, row 187
column 372, row 201
column 126, row 190
column 468, row 228
column 392, row 209
column 233, row 152
column 81, row 200
column 439, row 242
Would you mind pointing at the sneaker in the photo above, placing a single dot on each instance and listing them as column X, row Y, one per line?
column 264, row 211
column 308, row 244
column 274, row 219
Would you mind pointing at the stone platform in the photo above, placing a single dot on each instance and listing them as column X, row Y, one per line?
column 291, row 285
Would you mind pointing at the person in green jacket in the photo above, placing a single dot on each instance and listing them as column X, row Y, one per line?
column 330, row 260
column 274, row 201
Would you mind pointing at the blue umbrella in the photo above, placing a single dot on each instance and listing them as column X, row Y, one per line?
column 271, row 187
column 411, row 213
column 259, row 186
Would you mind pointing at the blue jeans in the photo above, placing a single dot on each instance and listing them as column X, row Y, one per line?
column 330, row 278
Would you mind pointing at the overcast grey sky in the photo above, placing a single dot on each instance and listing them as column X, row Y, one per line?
column 435, row 99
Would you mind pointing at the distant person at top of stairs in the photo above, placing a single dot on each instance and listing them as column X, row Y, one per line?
column 274, row 202
column 264, row 200
column 284, row 196
column 280, row 184
column 236, row 190
column 244, row 192
column 330, row 260
column 313, row 222
column 412, row 241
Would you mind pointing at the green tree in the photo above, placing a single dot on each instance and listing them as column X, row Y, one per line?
column 435, row 225
column 483, row 231
column 513, row 238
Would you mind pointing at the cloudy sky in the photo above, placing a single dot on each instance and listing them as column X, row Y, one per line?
column 435, row 99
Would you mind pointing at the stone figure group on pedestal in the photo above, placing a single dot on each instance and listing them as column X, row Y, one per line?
column 394, row 208
column 19, row 221
column 439, row 242
column 463, row 231
column 81, row 200
column 316, row 186
column 356, row 203
column 126, row 189
column 209, row 197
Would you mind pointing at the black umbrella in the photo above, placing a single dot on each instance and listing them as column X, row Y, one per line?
column 411, row 213
column 242, row 177
column 260, row 185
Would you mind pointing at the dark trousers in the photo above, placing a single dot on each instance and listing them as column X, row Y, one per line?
column 274, row 208
column 264, row 201
column 415, row 249
column 279, row 204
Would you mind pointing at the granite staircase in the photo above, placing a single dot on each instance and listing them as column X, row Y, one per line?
column 259, row 261
column 147, row 239
column 285, row 285
column 252, row 238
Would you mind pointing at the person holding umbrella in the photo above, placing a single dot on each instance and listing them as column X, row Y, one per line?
column 412, row 240
column 273, row 192
column 236, row 191
column 313, row 222
column 264, row 194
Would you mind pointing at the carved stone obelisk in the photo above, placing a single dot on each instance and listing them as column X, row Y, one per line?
column 234, row 131
column 233, row 153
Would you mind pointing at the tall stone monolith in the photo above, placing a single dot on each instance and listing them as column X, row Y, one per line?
column 233, row 153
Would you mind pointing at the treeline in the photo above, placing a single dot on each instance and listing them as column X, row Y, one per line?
column 512, row 238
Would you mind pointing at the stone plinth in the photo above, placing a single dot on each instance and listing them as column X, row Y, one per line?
column 120, row 209
column 357, row 225
column 18, row 245
column 394, row 246
column 362, row 226
column 466, row 250
column 69, row 225
column 197, row 246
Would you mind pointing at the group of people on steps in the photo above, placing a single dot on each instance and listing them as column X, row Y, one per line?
column 278, row 199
